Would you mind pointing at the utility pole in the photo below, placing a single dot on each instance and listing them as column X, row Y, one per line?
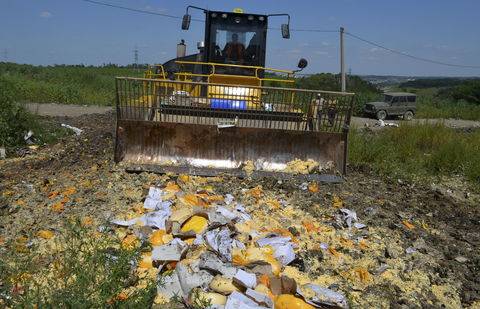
column 342, row 59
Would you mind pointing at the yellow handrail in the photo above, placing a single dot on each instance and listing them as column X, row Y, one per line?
column 256, row 68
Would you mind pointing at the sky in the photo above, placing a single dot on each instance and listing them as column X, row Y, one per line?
column 45, row 32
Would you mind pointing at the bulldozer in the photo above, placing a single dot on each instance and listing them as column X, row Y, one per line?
column 221, row 110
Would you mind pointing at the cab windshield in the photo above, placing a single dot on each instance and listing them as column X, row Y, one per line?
column 237, row 40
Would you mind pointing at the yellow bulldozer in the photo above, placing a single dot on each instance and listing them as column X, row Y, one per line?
column 216, row 111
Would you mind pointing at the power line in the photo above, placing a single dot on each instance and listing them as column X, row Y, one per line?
column 412, row 56
column 135, row 10
column 305, row 30
column 297, row 30
column 178, row 17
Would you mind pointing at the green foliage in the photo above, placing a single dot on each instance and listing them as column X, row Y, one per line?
column 423, row 83
column 434, row 107
column 65, row 84
column 14, row 120
column 435, row 103
column 468, row 91
column 87, row 272
column 418, row 150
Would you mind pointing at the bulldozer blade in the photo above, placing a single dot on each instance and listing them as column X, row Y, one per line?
column 208, row 129
column 206, row 150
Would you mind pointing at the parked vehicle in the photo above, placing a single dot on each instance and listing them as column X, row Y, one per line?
column 394, row 104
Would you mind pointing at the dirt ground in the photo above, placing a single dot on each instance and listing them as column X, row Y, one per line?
column 419, row 249
column 71, row 110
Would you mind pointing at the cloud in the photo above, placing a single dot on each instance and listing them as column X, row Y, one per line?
column 325, row 43
column 294, row 51
column 153, row 9
column 320, row 52
column 305, row 44
column 45, row 14
column 374, row 49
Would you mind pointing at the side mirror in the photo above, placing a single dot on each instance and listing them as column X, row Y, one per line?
column 285, row 31
column 186, row 21
column 302, row 63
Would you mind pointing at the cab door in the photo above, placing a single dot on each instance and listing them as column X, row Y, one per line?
column 396, row 105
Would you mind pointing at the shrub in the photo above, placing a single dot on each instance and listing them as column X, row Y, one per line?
column 14, row 120
column 418, row 150
column 83, row 269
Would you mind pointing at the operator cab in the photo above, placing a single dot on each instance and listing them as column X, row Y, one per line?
column 235, row 38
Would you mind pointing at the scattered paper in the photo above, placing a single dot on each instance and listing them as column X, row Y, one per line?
column 323, row 296
column 211, row 262
column 74, row 129
column 237, row 300
column 260, row 298
column 172, row 251
column 245, row 279
column 219, row 240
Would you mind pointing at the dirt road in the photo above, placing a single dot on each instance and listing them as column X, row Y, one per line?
column 70, row 110
column 419, row 248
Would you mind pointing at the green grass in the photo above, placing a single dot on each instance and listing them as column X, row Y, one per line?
column 89, row 270
column 15, row 121
column 433, row 103
column 431, row 107
column 64, row 84
column 420, row 150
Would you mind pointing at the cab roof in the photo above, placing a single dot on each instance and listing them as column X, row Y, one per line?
column 231, row 13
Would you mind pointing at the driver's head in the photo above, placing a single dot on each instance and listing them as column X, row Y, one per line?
column 235, row 37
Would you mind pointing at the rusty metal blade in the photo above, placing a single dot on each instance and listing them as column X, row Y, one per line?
column 208, row 150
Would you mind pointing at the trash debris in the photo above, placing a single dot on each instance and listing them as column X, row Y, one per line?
column 245, row 279
column 301, row 167
column 408, row 225
column 381, row 123
column 196, row 224
column 237, row 300
column 320, row 297
column 337, row 202
column 172, row 251
column 288, row 301
column 223, row 285
column 74, row 129
column 410, row 250
column 217, row 252
column 461, row 259
column 349, row 217
column 260, row 298
column 45, row 234
column 28, row 137
column 303, row 186
column 219, row 240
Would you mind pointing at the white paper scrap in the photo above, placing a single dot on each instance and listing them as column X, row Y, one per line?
column 248, row 280
column 237, row 300
column 170, row 252
column 260, row 298
column 284, row 253
column 272, row 241
column 220, row 241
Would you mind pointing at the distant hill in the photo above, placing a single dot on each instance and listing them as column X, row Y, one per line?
column 422, row 83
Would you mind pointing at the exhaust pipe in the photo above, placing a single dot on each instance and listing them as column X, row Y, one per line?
column 181, row 49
